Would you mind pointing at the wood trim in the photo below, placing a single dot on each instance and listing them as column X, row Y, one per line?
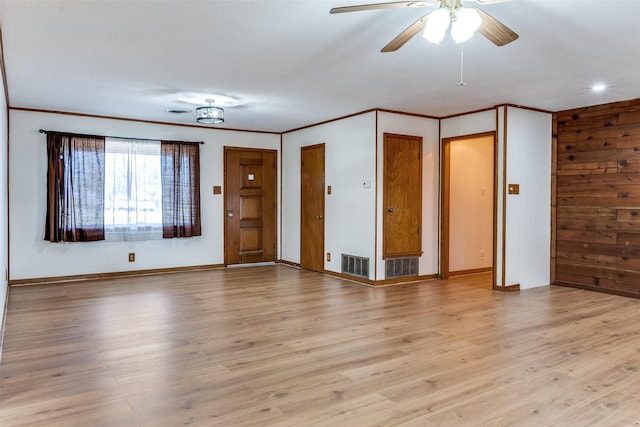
column 510, row 288
column 407, row 279
column 6, row 148
column 97, row 276
column 348, row 116
column 504, row 200
column 3, row 70
column 444, row 207
column 376, row 205
column 4, row 320
column 554, row 185
column 494, row 274
column 329, row 121
column 126, row 119
column 279, row 198
column 439, row 197
column 385, row 282
column 481, row 110
column 256, row 150
column 445, row 194
column 349, row 277
column 596, row 289
column 470, row 271
column 289, row 263
column 524, row 107
column 405, row 113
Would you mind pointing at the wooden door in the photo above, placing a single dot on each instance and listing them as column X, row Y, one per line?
column 250, row 206
column 312, row 208
column 402, row 196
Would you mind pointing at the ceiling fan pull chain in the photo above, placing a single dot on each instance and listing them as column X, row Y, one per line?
column 462, row 83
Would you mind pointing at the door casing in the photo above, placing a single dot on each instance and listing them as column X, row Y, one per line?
column 445, row 200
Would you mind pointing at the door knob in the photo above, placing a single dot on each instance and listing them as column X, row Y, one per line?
column 319, row 217
column 390, row 210
column 230, row 213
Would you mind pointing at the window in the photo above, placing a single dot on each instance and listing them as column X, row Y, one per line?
column 133, row 190
column 121, row 189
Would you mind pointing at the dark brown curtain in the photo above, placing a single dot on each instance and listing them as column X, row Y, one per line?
column 75, row 188
column 180, row 163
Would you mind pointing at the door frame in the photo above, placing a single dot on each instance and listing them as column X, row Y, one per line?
column 226, row 149
column 445, row 183
column 324, row 167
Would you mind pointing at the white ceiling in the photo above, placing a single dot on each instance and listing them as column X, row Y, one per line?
column 290, row 63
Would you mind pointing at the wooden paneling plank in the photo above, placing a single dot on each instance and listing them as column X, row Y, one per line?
column 595, row 122
column 598, row 156
column 590, row 112
column 587, row 259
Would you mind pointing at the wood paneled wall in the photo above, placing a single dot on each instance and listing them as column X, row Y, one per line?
column 597, row 198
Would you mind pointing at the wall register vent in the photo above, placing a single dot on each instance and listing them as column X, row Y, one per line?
column 401, row 267
column 355, row 265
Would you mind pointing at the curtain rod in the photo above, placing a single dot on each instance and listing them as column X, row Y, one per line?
column 114, row 137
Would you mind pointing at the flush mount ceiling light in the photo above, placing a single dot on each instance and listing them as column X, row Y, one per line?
column 209, row 115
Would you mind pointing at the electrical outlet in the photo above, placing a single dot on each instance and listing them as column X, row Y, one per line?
column 328, row 256
column 132, row 257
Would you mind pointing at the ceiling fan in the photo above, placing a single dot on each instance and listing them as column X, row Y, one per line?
column 464, row 21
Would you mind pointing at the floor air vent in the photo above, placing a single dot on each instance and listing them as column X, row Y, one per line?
column 355, row 265
column 401, row 267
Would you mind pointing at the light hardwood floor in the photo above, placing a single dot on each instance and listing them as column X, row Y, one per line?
column 277, row 346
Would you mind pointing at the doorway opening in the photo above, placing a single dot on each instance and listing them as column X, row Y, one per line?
column 469, row 182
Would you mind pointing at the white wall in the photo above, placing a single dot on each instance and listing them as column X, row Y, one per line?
column 32, row 257
column 349, row 210
column 471, row 204
column 4, row 218
column 471, row 124
column 428, row 130
column 527, row 222
column 528, row 215
column 468, row 124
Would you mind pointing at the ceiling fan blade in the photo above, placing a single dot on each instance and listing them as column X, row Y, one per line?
column 406, row 35
column 494, row 30
column 388, row 5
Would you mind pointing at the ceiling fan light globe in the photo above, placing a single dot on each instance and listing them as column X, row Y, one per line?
column 468, row 18
column 466, row 22
column 439, row 19
column 434, row 36
column 437, row 24
column 460, row 35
